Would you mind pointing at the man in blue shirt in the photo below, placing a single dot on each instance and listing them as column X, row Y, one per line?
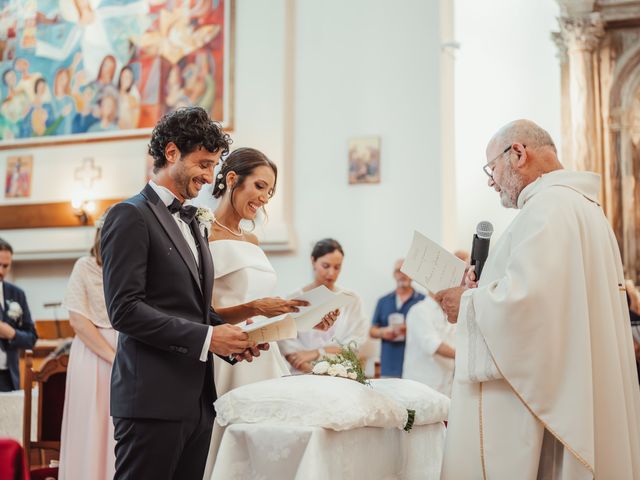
column 389, row 322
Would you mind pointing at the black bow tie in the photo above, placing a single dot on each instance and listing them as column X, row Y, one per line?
column 187, row 212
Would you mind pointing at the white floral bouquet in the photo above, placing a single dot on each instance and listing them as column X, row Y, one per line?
column 344, row 364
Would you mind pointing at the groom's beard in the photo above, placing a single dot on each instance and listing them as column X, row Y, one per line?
column 182, row 181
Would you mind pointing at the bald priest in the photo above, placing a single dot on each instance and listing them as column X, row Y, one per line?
column 545, row 385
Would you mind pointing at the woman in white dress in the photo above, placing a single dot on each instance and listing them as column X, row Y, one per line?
column 350, row 326
column 244, row 277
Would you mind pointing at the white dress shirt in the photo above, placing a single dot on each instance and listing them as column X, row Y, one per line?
column 427, row 329
column 167, row 198
column 3, row 354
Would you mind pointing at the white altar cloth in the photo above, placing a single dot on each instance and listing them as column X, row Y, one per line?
column 266, row 451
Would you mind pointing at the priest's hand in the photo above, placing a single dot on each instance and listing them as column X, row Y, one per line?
column 229, row 340
column 449, row 301
column 470, row 278
column 327, row 321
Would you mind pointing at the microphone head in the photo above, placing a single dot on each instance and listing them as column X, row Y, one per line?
column 484, row 229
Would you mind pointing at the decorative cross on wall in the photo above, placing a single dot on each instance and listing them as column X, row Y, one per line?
column 88, row 172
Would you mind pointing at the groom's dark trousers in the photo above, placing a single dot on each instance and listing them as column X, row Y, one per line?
column 158, row 298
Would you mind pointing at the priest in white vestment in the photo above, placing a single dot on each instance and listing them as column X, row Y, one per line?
column 545, row 384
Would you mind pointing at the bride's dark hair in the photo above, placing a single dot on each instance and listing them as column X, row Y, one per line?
column 243, row 162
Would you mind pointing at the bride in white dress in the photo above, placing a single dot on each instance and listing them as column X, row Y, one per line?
column 244, row 277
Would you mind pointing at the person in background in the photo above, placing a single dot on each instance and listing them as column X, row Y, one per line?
column 16, row 327
column 429, row 352
column 633, row 301
column 389, row 322
column 350, row 326
column 87, row 444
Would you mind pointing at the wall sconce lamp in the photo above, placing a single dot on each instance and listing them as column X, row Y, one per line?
column 87, row 174
column 83, row 209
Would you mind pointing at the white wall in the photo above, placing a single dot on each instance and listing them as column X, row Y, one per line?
column 506, row 68
column 364, row 67
column 310, row 75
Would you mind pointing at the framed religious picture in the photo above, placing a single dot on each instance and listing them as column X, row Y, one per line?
column 77, row 70
column 364, row 160
column 18, row 177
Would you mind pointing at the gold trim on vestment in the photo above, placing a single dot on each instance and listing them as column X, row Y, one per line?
column 484, row 469
column 573, row 452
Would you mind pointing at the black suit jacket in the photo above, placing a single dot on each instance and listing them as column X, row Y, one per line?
column 25, row 331
column 159, row 301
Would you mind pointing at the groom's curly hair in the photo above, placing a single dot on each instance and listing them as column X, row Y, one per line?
column 189, row 128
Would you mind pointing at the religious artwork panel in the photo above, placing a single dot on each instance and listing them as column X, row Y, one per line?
column 18, row 177
column 100, row 68
column 364, row 160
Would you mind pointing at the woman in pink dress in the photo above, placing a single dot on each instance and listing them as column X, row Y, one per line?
column 87, row 444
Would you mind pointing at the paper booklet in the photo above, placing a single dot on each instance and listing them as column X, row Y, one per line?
column 432, row 266
column 321, row 301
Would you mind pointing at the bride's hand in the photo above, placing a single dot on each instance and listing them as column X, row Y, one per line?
column 298, row 359
column 274, row 306
column 327, row 321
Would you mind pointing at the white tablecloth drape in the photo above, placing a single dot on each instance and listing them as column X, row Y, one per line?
column 265, row 452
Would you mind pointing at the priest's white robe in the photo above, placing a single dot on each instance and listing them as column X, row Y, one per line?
column 545, row 384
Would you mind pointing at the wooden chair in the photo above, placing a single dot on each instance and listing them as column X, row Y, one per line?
column 51, row 381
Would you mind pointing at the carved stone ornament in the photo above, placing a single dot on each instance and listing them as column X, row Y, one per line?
column 582, row 33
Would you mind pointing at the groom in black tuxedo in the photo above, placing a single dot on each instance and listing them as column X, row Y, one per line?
column 158, row 278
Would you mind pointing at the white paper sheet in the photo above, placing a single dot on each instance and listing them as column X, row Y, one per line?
column 321, row 301
column 264, row 330
column 432, row 266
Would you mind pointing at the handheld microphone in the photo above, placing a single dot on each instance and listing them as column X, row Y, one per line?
column 480, row 246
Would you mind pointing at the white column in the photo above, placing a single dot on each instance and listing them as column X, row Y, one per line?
column 565, row 109
column 581, row 36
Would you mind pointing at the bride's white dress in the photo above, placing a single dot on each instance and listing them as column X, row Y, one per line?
column 242, row 273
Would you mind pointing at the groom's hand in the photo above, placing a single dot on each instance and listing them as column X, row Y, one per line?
column 249, row 353
column 229, row 340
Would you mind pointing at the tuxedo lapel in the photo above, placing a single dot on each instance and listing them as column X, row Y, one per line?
column 206, row 263
column 172, row 230
column 5, row 298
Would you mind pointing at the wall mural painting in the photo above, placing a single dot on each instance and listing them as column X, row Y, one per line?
column 79, row 67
